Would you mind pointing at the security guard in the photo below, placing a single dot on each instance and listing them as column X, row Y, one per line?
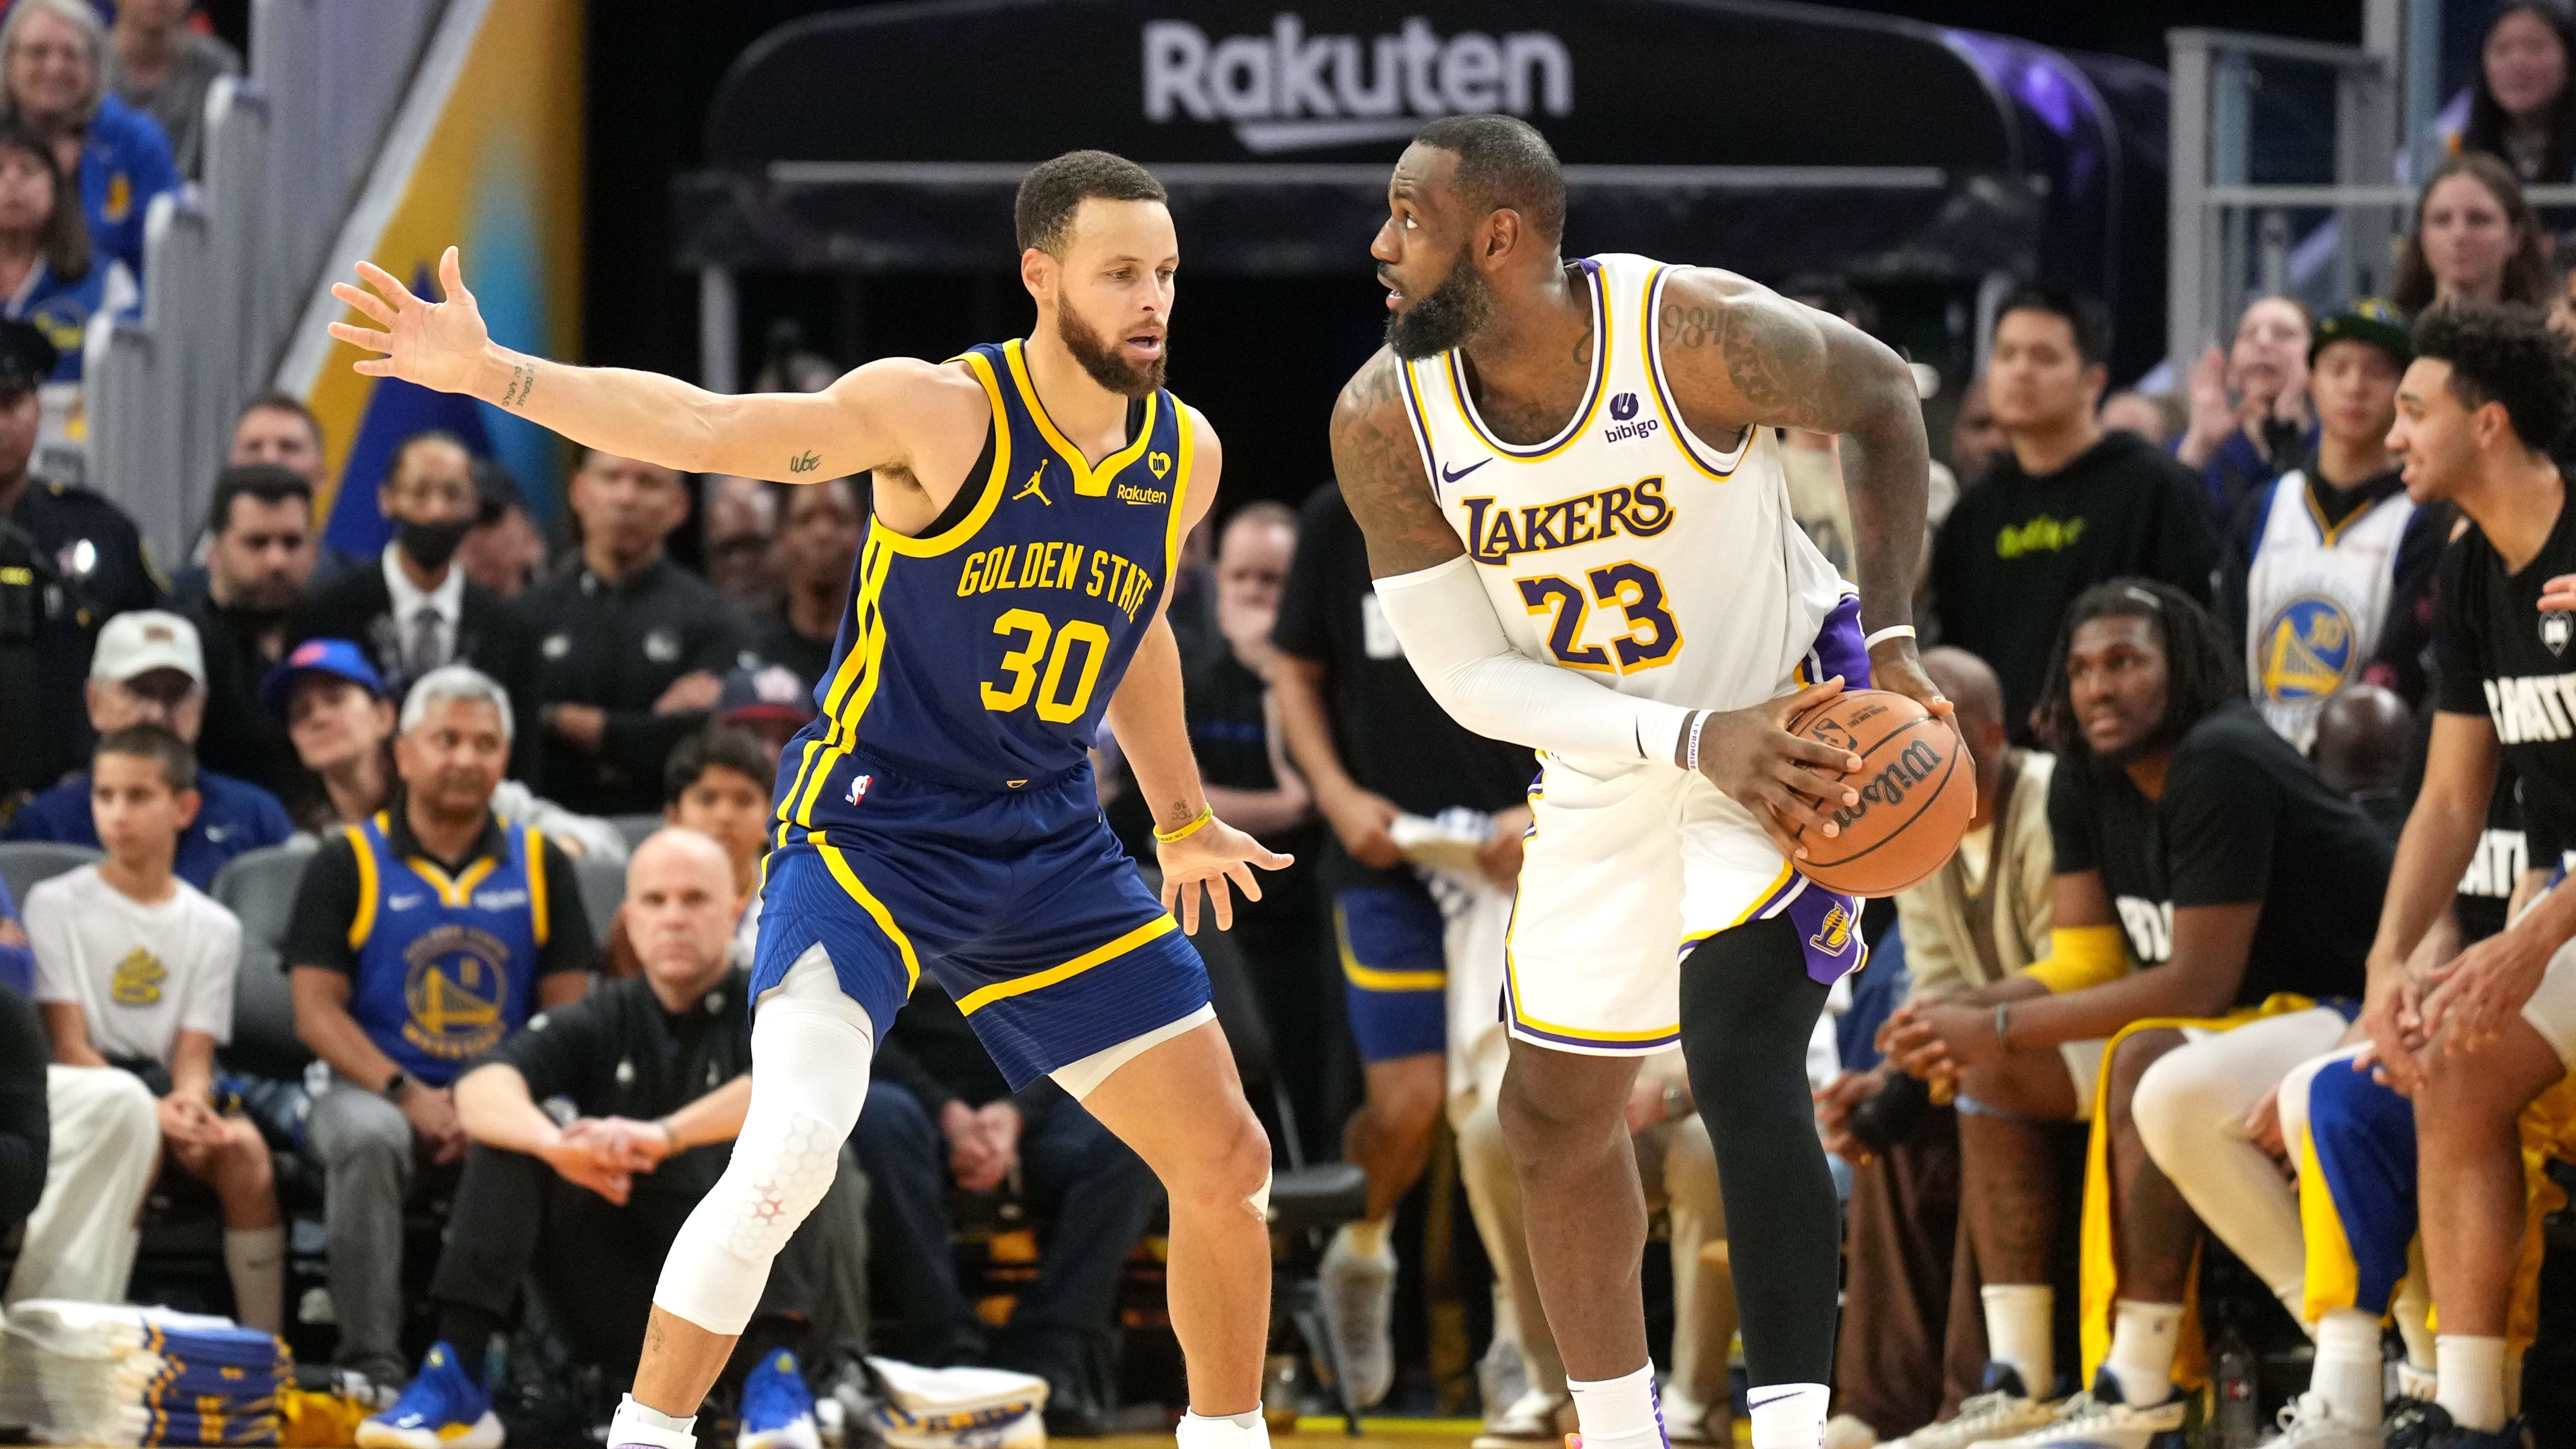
column 99, row 563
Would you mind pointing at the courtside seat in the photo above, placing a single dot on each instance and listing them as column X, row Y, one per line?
column 636, row 827
column 603, row 890
column 26, row 863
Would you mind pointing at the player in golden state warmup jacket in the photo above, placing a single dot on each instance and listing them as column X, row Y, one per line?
column 939, row 814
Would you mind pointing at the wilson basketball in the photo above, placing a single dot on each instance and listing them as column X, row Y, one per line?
column 1917, row 789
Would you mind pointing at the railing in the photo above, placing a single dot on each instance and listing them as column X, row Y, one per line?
column 228, row 267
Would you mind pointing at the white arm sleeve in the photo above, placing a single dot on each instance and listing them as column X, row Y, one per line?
column 1445, row 621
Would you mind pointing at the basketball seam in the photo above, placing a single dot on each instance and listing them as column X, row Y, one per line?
column 1950, row 766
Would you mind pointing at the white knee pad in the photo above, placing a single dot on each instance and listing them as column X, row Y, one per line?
column 810, row 1059
column 1260, row 1199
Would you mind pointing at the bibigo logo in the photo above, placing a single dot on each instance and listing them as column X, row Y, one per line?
column 1290, row 91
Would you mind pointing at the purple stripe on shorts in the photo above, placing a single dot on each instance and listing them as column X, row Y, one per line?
column 1828, row 925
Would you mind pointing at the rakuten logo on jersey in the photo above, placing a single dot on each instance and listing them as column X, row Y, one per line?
column 1290, row 91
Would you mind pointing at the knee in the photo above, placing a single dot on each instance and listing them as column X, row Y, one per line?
column 1407, row 1099
column 2462, row 1093
column 2130, row 1063
column 130, row 1115
column 1537, row 1119
column 1227, row 1171
column 241, row 1160
column 2178, row 1110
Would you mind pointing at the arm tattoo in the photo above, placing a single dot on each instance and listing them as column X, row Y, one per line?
column 1382, row 478
column 805, row 462
column 523, row 380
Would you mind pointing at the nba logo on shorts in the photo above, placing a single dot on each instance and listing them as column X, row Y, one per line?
column 859, row 787
column 2555, row 628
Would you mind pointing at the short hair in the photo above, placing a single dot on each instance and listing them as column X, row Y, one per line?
column 1054, row 190
column 462, row 682
column 729, row 747
column 402, row 450
column 2198, row 675
column 267, row 482
column 274, row 401
column 1504, row 163
column 2509, row 355
column 158, row 743
column 65, row 241
column 2084, row 316
column 1269, row 512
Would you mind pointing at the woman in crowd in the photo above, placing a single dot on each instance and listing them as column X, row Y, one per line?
column 2521, row 109
column 2249, row 404
column 2474, row 238
column 51, row 79
column 48, row 276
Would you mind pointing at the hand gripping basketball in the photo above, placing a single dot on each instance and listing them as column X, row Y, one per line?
column 1788, row 783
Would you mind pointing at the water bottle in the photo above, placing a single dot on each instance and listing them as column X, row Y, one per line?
column 2236, row 1378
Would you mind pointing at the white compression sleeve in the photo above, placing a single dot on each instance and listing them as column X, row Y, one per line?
column 1447, row 626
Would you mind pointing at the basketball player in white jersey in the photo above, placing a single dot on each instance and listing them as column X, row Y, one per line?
column 1581, row 535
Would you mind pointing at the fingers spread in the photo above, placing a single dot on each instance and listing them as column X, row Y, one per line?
column 363, row 301
column 387, row 283
column 1221, row 901
column 1241, row 875
column 362, row 337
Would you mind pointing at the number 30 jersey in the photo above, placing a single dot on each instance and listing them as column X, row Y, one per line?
column 981, row 654
column 1625, row 546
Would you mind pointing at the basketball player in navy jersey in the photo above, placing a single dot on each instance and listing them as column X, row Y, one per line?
column 939, row 814
column 1579, row 528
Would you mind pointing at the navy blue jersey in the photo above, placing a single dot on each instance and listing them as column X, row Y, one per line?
column 982, row 655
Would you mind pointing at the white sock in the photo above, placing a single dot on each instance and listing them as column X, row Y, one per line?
column 1620, row 1413
column 2143, row 1339
column 255, row 1259
column 2414, row 1380
column 1367, row 1240
column 643, row 1425
column 1224, row 1431
column 2472, row 1373
column 1787, row 1416
column 2021, row 1330
column 2348, row 1373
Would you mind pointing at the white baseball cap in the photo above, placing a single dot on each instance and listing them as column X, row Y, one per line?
column 143, row 640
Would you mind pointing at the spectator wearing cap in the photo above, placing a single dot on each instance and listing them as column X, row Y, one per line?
column 718, row 784
column 632, row 648
column 259, row 557
column 818, row 541
column 423, row 937
column 92, row 559
column 151, row 669
column 53, row 62
column 2327, row 575
column 505, row 551
column 416, row 610
column 336, row 713
column 48, row 277
column 163, row 66
column 770, row 702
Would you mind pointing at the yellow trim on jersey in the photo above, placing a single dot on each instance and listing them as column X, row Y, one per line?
column 1598, row 277
column 2333, row 1276
column 363, row 924
column 1373, row 978
column 1173, row 531
column 856, row 682
column 981, row 997
column 535, row 851
column 1089, row 481
column 839, row 865
column 1671, row 411
column 1742, row 916
column 967, row 527
column 2327, row 533
column 1511, row 964
column 457, row 890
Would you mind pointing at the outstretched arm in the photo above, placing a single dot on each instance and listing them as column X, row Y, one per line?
column 861, row 422
column 1741, row 355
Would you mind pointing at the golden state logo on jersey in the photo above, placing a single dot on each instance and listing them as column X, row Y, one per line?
column 458, row 977
column 137, row 979
column 2305, row 649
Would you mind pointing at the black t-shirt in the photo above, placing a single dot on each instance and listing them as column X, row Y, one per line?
column 1392, row 737
column 2015, row 552
column 327, row 901
column 618, row 1052
column 776, row 640
column 2500, row 657
column 2242, row 819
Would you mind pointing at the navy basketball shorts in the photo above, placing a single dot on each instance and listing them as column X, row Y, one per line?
column 1020, row 902
column 1395, row 968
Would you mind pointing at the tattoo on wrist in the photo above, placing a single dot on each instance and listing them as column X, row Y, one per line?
column 523, row 380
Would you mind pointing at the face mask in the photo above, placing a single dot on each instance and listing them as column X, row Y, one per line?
column 431, row 545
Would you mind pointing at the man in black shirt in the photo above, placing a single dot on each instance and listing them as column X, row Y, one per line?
column 657, row 1068
column 1376, row 749
column 2201, row 870
column 2478, row 1037
column 819, row 529
column 259, row 555
column 939, row 1112
column 631, row 648
column 2065, row 507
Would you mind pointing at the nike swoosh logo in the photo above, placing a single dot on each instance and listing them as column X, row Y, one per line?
column 1753, row 1403
column 1448, row 476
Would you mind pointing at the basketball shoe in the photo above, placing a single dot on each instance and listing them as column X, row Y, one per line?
column 443, row 1409
column 777, row 1408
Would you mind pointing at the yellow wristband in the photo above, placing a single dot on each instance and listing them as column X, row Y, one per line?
column 1197, row 824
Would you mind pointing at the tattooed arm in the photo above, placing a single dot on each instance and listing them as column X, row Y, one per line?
column 878, row 416
column 1740, row 355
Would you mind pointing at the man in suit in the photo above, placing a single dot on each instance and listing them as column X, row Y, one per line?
column 417, row 611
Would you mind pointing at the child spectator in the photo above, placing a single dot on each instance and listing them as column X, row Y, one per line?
column 718, row 784
column 135, row 968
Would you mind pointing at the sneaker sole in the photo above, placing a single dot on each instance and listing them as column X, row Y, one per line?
column 484, row 1433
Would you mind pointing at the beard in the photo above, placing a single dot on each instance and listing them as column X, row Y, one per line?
column 1100, row 357
column 1455, row 311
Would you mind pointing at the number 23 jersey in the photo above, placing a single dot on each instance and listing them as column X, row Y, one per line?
column 1625, row 546
column 982, row 654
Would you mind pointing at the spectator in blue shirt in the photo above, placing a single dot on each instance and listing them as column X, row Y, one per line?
column 150, row 669
column 47, row 275
column 2250, row 419
column 52, row 78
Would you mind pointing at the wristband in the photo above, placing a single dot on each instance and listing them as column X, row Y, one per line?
column 1197, row 824
column 1690, row 751
column 670, row 1134
column 1892, row 631
column 2003, row 1025
column 392, row 1089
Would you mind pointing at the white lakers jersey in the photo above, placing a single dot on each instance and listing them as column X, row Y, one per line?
column 1625, row 546
column 2316, row 598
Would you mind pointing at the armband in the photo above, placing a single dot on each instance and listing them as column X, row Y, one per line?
column 2080, row 956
